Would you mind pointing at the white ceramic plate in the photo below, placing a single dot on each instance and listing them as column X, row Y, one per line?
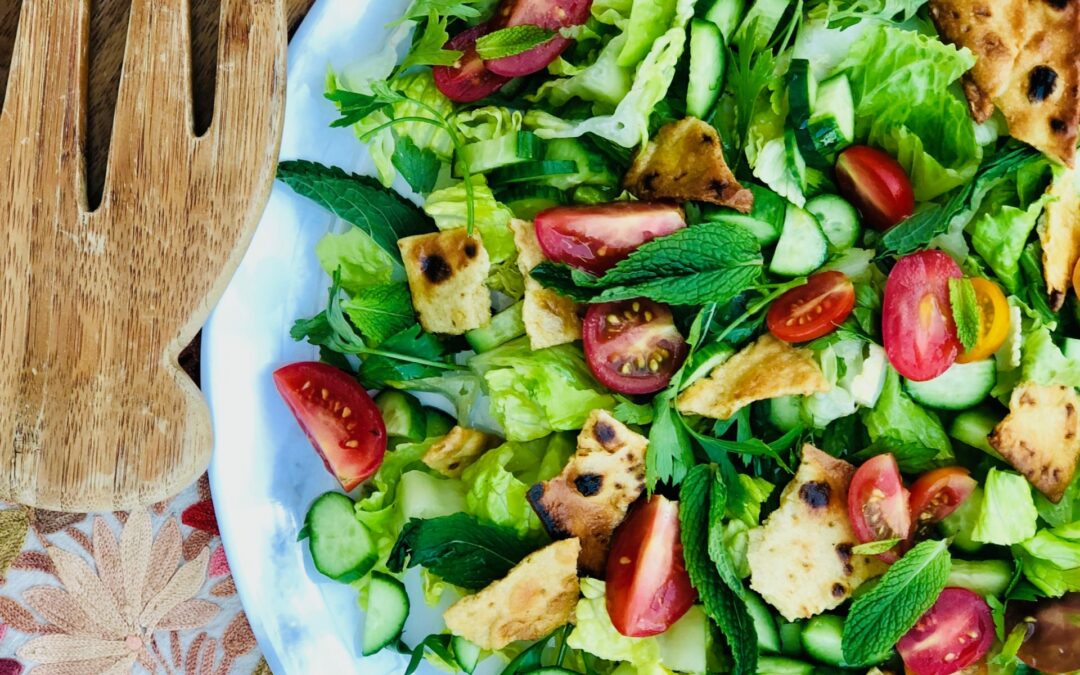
column 264, row 473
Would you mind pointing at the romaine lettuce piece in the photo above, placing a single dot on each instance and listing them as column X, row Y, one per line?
column 898, row 418
column 1044, row 362
column 999, row 235
column 448, row 207
column 1051, row 560
column 1007, row 515
column 487, row 123
column 363, row 263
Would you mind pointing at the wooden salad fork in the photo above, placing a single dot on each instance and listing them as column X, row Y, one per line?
column 95, row 306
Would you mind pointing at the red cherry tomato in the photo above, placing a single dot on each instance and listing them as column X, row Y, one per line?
column 1052, row 642
column 916, row 317
column 938, row 493
column 953, row 634
column 550, row 14
column 468, row 80
column 594, row 238
column 632, row 346
column 814, row 309
column 878, row 503
column 876, row 184
column 338, row 416
column 648, row 588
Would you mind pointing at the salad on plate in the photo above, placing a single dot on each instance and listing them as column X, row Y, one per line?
column 705, row 336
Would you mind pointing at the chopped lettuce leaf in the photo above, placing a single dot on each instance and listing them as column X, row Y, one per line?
column 1051, row 559
column 1044, row 362
column 487, row 123
column 448, row 208
column 648, row 21
column 363, row 263
column 604, row 81
column 1007, row 515
column 999, row 234
column 897, row 417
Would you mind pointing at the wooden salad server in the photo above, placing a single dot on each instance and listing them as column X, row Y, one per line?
column 95, row 306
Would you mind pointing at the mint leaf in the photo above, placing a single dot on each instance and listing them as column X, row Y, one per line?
column 512, row 41
column 723, row 604
column 361, row 200
column 418, row 166
column 965, row 311
column 459, row 549
column 875, row 547
column 882, row 615
column 316, row 330
column 379, row 312
column 427, row 50
column 408, row 355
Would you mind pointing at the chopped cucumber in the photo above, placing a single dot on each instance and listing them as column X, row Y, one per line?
column 527, row 201
column 785, row 412
column 552, row 670
column 985, row 577
column 821, row 638
column 466, row 654
column 422, row 495
column 705, row 360
column 838, row 219
column 765, row 233
column 726, row 14
column 962, row 386
column 503, row 327
column 437, row 422
column 533, row 170
column 832, row 118
column 403, row 415
column 961, row 523
column 795, row 164
column 802, row 247
column 768, row 636
column 779, row 665
column 765, row 219
column 385, row 614
column 973, row 427
column 706, row 78
column 802, row 90
column 769, row 207
column 341, row 547
column 592, row 168
column 484, row 156
column 760, row 23
column 790, row 639
column 683, row 646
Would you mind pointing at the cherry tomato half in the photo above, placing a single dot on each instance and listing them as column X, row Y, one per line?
column 878, row 503
column 648, row 588
column 814, row 309
column 876, row 184
column 632, row 346
column 1052, row 643
column 953, row 634
column 938, row 493
column 917, row 326
column 550, row 14
column 338, row 416
column 994, row 321
column 594, row 238
column 468, row 80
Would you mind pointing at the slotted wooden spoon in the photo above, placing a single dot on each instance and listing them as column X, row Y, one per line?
column 95, row 306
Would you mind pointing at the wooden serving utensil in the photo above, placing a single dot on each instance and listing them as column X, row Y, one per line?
column 95, row 305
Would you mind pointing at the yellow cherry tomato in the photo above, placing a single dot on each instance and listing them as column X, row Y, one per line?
column 993, row 323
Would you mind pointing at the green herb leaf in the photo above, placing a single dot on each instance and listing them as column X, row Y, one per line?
column 882, row 615
column 911, row 457
column 512, row 41
column 354, row 106
column 316, row 330
column 438, row 644
column 418, row 166
column 428, row 49
column 380, row 312
column 715, row 447
column 750, row 74
column 462, row 9
column 628, row 412
column 965, row 311
column 875, row 547
column 408, row 355
column 459, row 549
column 722, row 604
column 670, row 454
column 361, row 200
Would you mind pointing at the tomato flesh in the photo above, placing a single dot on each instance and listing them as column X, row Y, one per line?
column 468, row 80
column 917, row 326
column 878, row 503
column 648, row 588
column 595, row 238
column 938, row 493
column 994, row 321
column 814, row 309
column 340, row 419
column 876, row 184
column 550, row 14
column 632, row 346
column 1052, row 642
column 953, row 634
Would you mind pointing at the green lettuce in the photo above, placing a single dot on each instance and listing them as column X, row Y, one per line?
column 999, row 235
column 448, row 208
column 897, row 418
column 1051, row 559
column 487, row 123
column 1043, row 361
column 534, row 393
column 363, row 263
column 603, row 82
column 1007, row 515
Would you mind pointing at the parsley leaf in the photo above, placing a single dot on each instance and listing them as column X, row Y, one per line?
column 459, row 549
column 380, row 311
column 911, row 457
column 670, row 453
column 361, row 200
column 512, row 41
column 418, row 166
column 462, row 9
column 750, row 73
column 882, row 615
column 427, row 50
column 965, row 311
column 354, row 106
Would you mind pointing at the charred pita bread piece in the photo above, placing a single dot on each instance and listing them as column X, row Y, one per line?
column 685, row 162
column 1059, row 232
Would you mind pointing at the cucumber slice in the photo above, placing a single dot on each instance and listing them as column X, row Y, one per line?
column 503, row 327
column 821, row 638
column 527, row 201
column 832, row 118
column 795, row 164
column 765, row 219
column 985, row 577
column 403, row 415
column 838, row 219
column 961, row 386
column 765, row 233
column 592, row 168
column 961, row 523
column 705, row 360
column 779, row 665
column 790, row 639
column 769, row 207
column 341, row 547
column 802, row 90
column 386, row 611
column 484, row 156
column 973, row 427
column 706, row 77
column 785, row 412
column 534, row 170
column 726, row 14
column 438, row 423
column 768, row 636
column 466, row 654
column 552, row 670
column 802, row 247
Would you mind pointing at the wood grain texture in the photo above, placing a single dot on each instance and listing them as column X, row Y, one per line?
column 96, row 304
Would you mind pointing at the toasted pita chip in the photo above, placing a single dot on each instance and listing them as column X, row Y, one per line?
column 766, row 369
column 1059, row 231
column 550, row 319
column 457, row 450
column 447, row 273
column 685, row 162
